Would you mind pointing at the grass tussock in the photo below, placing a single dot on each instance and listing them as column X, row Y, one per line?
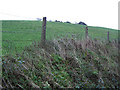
column 64, row 63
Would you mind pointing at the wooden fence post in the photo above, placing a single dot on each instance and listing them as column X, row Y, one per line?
column 43, row 34
column 86, row 37
column 86, row 32
column 108, row 36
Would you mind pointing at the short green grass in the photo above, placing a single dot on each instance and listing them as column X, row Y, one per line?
column 18, row 34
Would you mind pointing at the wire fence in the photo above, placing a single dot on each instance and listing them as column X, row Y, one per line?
column 16, row 37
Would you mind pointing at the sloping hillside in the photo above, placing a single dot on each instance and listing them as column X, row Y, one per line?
column 66, row 60
column 64, row 63
column 18, row 34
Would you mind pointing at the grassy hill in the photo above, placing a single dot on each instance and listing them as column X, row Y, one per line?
column 67, row 60
column 18, row 34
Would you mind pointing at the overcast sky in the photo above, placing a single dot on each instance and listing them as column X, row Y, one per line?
column 103, row 13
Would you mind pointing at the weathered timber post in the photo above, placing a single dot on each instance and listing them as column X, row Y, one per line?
column 108, row 39
column 43, row 34
column 86, row 32
column 86, row 37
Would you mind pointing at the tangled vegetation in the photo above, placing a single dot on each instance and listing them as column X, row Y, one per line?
column 64, row 63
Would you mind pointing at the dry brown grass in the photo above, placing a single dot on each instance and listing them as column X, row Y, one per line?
column 69, row 63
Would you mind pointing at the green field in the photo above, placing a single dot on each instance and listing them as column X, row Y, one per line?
column 18, row 34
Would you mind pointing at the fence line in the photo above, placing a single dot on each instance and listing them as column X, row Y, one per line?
column 43, row 32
